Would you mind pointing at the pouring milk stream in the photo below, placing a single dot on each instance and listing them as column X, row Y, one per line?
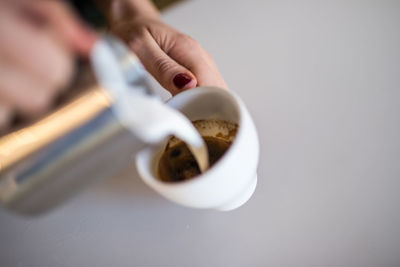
column 145, row 116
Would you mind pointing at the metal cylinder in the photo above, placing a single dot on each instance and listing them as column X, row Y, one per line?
column 45, row 163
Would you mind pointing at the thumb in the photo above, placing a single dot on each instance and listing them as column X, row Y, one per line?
column 171, row 75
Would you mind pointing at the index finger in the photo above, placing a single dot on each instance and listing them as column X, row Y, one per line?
column 68, row 27
column 190, row 54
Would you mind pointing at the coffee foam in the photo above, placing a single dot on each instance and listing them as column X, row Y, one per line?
column 211, row 127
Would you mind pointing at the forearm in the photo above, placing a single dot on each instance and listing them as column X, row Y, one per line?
column 117, row 10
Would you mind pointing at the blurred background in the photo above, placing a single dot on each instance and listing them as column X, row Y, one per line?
column 322, row 82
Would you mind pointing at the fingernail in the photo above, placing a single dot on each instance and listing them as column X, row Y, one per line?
column 182, row 79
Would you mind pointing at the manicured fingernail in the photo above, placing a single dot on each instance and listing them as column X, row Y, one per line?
column 182, row 79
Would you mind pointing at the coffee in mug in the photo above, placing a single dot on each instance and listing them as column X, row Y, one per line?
column 177, row 163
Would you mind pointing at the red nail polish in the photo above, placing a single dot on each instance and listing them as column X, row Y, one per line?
column 182, row 79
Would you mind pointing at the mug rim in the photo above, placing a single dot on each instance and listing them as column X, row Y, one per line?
column 180, row 192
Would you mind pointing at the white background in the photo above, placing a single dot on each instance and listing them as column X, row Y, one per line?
column 321, row 79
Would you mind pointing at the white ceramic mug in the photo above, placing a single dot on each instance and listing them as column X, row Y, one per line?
column 231, row 181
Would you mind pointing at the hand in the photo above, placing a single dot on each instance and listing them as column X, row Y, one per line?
column 177, row 61
column 38, row 41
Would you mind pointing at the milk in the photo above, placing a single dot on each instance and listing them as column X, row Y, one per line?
column 154, row 122
column 145, row 115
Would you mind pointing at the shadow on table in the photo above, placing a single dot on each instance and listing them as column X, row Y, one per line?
column 126, row 183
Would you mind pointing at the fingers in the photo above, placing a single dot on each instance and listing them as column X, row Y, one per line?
column 73, row 32
column 24, row 92
column 32, row 51
column 176, row 61
column 37, row 46
column 190, row 54
column 171, row 75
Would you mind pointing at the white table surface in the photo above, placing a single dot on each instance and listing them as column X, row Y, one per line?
column 322, row 81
